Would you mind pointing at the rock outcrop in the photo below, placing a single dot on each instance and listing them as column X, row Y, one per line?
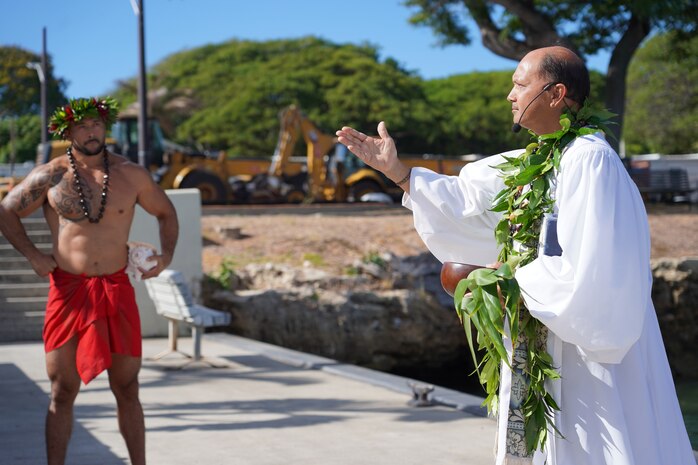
column 675, row 297
column 391, row 313
column 363, row 319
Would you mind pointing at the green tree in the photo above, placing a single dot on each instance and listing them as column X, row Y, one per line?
column 662, row 107
column 240, row 87
column 473, row 115
column 21, row 134
column 20, row 103
column 20, row 91
column 512, row 28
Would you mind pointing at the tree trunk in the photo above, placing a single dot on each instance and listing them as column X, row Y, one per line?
column 539, row 31
column 617, row 72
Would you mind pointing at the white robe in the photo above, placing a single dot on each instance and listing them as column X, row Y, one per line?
column 616, row 394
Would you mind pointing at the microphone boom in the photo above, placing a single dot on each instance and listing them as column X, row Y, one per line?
column 516, row 127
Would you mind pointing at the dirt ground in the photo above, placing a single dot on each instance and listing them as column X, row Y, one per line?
column 333, row 239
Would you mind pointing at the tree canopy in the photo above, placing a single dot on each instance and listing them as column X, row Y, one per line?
column 236, row 89
column 20, row 103
column 20, row 134
column 240, row 86
column 20, row 90
column 662, row 105
column 512, row 28
column 472, row 114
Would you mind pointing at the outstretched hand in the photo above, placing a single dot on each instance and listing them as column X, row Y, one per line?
column 377, row 152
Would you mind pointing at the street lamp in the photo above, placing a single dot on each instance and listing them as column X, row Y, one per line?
column 143, row 145
column 39, row 70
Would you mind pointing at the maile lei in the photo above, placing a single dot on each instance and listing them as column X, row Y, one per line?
column 488, row 299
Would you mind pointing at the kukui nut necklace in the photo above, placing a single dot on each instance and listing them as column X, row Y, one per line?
column 81, row 194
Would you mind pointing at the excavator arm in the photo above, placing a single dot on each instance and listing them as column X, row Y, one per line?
column 292, row 124
column 288, row 135
column 318, row 145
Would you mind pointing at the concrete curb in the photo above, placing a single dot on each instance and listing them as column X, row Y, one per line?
column 443, row 396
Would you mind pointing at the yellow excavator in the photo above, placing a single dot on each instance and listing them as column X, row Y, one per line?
column 331, row 174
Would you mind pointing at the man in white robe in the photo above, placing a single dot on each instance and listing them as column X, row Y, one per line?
column 618, row 404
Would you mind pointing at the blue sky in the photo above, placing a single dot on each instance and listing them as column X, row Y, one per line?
column 94, row 43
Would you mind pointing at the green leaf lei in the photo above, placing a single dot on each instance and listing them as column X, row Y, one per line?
column 489, row 298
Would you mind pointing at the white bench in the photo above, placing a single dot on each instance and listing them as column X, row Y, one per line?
column 173, row 300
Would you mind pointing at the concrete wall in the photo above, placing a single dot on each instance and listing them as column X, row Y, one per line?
column 187, row 257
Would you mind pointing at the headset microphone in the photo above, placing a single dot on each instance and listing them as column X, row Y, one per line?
column 516, row 127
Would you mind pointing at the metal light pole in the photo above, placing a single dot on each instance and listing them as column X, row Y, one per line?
column 13, row 153
column 143, row 140
column 41, row 69
column 44, row 90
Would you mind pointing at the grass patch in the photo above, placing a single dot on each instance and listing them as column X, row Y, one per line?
column 314, row 259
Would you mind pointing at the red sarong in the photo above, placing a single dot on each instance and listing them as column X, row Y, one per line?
column 101, row 311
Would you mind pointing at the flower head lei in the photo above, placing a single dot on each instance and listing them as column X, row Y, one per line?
column 106, row 109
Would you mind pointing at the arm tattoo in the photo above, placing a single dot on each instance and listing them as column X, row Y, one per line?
column 32, row 189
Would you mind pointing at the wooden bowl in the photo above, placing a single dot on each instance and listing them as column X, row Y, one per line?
column 453, row 272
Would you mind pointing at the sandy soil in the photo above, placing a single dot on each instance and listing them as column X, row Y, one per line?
column 334, row 240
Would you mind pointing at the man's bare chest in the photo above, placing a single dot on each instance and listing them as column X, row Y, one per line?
column 71, row 203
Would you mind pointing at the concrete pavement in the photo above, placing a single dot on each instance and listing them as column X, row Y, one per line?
column 266, row 406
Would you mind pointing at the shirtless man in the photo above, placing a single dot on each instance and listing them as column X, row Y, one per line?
column 89, row 197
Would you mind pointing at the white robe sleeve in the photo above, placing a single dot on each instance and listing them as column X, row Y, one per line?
column 595, row 295
column 451, row 213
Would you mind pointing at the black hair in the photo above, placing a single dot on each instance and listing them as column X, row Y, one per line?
column 572, row 73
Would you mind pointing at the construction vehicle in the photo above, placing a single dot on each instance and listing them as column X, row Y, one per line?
column 333, row 173
column 325, row 177
column 174, row 166
column 328, row 172
column 285, row 183
column 6, row 184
